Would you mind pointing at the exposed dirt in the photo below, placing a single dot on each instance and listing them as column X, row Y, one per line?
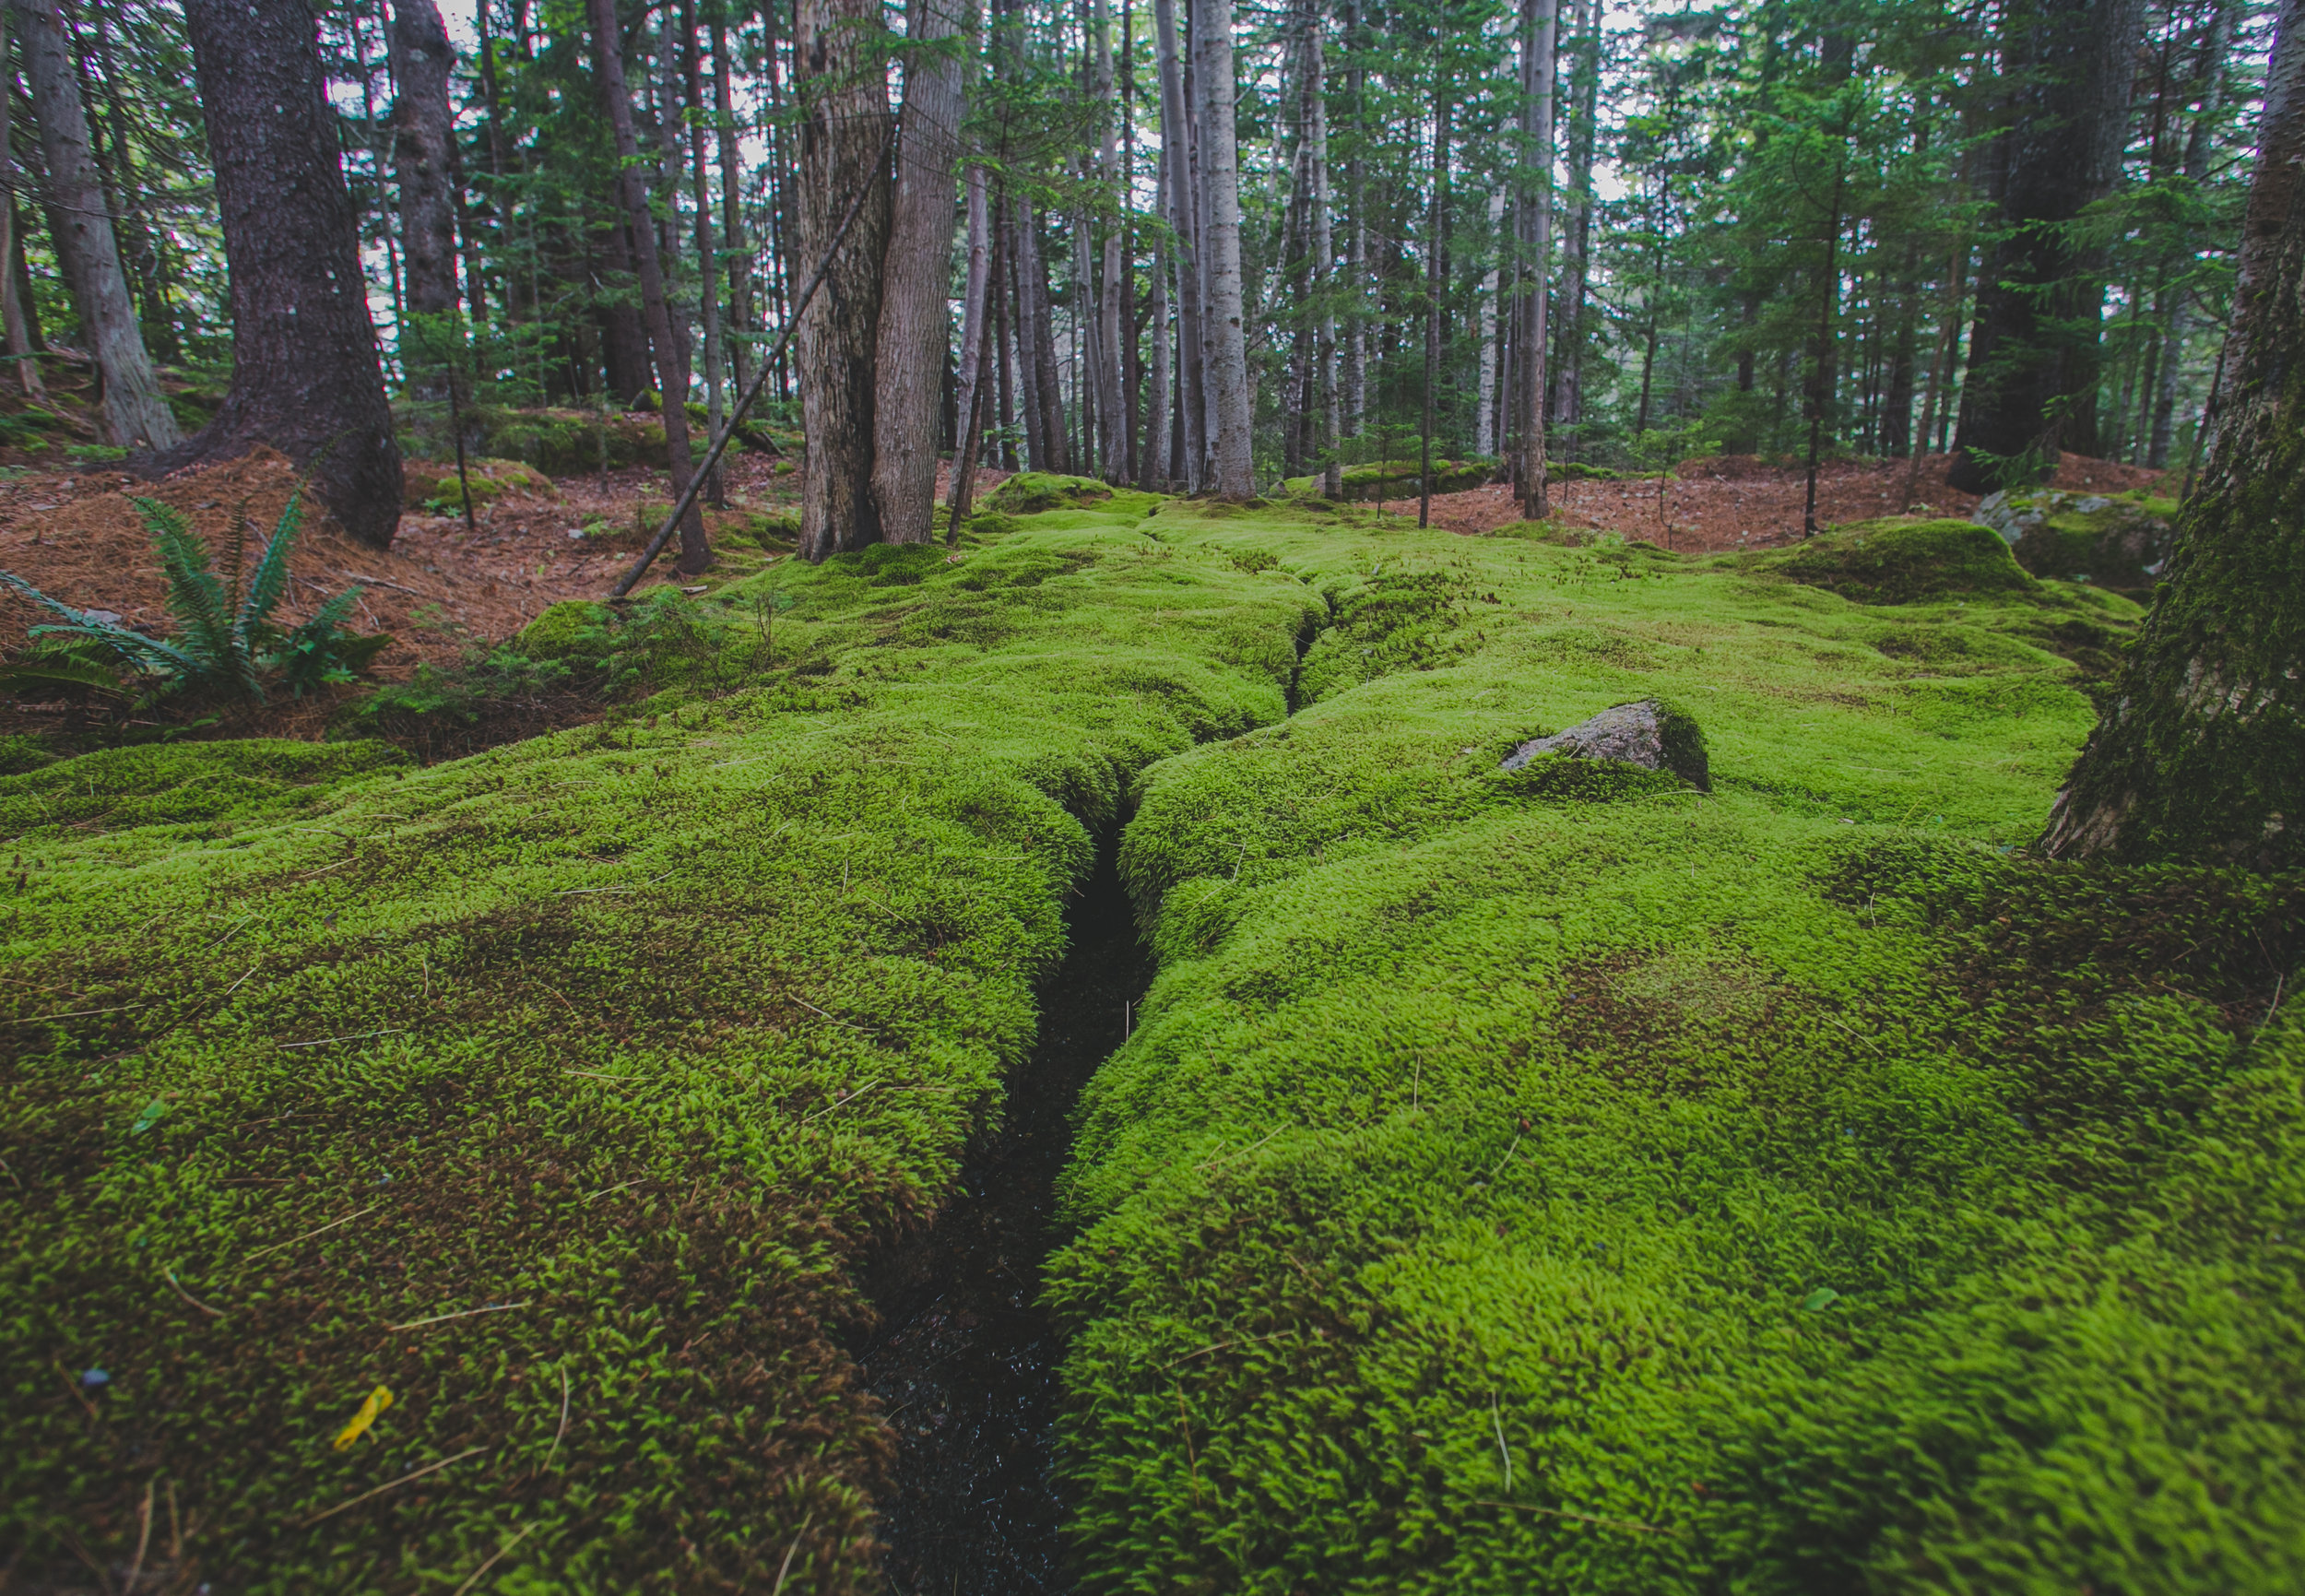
column 965, row 1358
column 1739, row 501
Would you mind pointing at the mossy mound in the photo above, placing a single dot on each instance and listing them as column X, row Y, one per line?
column 1030, row 492
column 1897, row 560
column 435, row 485
column 2117, row 542
column 569, row 1079
column 1497, row 1159
column 1400, row 479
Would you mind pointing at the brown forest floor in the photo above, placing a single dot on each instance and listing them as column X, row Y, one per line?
column 1738, row 501
column 441, row 591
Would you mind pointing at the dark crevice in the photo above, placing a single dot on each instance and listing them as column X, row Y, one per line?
column 964, row 1361
column 1308, row 634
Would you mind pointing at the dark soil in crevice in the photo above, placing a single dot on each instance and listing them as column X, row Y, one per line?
column 963, row 1359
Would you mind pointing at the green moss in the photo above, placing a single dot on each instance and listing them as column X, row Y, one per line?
column 1795, row 1141
column 1900, row 561
column 434, row 484
column 21, row 752
column 573, row 629
column 236, row 783
column 1028, row 492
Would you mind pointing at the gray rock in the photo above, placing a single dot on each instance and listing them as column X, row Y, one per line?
column 2119, row 543
column 1648, row 733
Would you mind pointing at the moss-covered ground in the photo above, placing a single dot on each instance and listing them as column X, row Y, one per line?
column 1560, row 1180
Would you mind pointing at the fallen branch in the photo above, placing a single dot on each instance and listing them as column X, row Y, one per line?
column 466, row 1313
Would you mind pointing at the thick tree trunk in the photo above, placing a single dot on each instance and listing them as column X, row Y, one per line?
column 1540, row 25
column 915, row 324
column 608, row 44
column 136, row 412
column 2203, row 754
column 1232, row 465
column 422, row 60
column 2034, row 356
column 16, row 330
column 843, row 150
column 305, row 378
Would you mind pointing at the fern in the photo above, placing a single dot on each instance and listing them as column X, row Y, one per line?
column 225, row 640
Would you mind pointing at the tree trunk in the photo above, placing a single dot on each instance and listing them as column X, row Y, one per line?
column 2034, row 356
column 1042, row 358
column 843, row 150
column 975, row 311
column 740, row 319
column 1324, row 257
column 707, row 256
column 1016, row 220
column 305, row 378
column 1541, row 24
column 916, row 327
column 1156, row 468
column 2203, row 754
column 136, row 412
column 1183, row 216
column 422, row 60
column 1436, row 224
column 1232, row 473
column 608, row 46
column 1353, row 360
column 17, row 332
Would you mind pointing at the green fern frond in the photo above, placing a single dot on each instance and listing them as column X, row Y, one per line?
column 194, row 595
column 271, row 580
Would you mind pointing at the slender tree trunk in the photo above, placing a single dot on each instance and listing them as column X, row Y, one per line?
column 136, row 412
column 1111, row 408
column 916, row 324
column 305, row 378
column 1485, row 431
column 732, row 232
column 2034, row 357
column 1183, row 218
column 1045, row 370
column 1828, row 302
column 1232, row 474
column 696, row 551
column 1157, row 468
column 1436, row 220
column 1540, row 25
column 975, row 308
column 19, row 342
column 1004, row 340
column 2203, row 754
column 1353, row 360
column 1324, row 256
column 1017, row 219
column 144, row 256
column 707, row 257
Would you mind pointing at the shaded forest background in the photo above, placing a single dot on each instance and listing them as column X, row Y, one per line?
column 1839, row 228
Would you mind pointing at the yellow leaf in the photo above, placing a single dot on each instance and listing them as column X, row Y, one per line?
column 378, row 1401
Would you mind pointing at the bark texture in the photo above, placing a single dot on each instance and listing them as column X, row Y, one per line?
column 305, row 378
column 136, row 412
column 1231, row 467
column 916, row 327
column 19, row 333
column 423, row 163
column 843, row 148
column 2032, row 381
column 1540, row 24
column 2202, row 756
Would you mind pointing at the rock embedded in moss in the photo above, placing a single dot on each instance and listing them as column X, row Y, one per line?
column 1647, row 734
column 2114, row 542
